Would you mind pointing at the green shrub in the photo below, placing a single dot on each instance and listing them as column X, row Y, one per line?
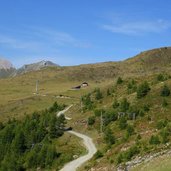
column 115, row 104
column 141, row 113
column 133, row 112
column 91, row 120
column 138, row 137
column 56, row 107
column 87, row 102
column 130, row 130
column 162, row 77
column 165, row 91
column 109, row 116
column 109, row 137
column 98, row 94
column 131, row 152
column 122, row 123
column 131, row 87
column 164, row 133
column 143, row 89
column 162, row 123
column 124, row 105
column 127, row 155
column 146, row 107
column 154, row 140
column 98, row 154
column 120, row 158
column 119, row 80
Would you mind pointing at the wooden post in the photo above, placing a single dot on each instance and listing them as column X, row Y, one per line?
column 133, row 116
column 81, row 106
column 37, row 82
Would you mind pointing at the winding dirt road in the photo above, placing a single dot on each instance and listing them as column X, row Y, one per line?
column 63, row 112
column 88, row 142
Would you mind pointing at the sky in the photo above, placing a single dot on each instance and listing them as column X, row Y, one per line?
column 72, row 32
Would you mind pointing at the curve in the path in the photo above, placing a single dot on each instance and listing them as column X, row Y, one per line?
column 75, row 164
column 63, row 112
column 88, row 142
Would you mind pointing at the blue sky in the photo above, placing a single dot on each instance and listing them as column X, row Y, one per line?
column 71, row 32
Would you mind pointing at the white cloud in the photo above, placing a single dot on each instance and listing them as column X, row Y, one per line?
column 15, row 43
column 138, row 28
column 37, row 39
column 59, row 38
column 62, row 38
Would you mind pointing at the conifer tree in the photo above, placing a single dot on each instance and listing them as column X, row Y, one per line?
column 165, row 91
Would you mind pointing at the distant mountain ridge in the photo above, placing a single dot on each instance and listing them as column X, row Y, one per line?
column 5, row 64
column 6, row 68
column 150, row 61
column 36, row 66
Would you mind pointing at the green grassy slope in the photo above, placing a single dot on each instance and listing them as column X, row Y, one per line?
column 145, row 125
column 17, row 98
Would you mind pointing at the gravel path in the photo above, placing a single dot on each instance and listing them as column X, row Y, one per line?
column 87, row 141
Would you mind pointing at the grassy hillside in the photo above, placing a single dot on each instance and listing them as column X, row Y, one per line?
column 136, row 135
column 124, row 136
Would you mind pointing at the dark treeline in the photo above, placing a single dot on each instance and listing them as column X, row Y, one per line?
column 28, row 144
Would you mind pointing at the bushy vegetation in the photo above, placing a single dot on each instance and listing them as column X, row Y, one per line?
column 131, row 87
column 162, row 123
column 124, row 116
column 127, row 155
column 109, row 137
column 123, row 123
column 124, row 105
column 29, row 144
column 87, row 102
column 130, row 130
column 98, row 154
column 109, row 116
column 91, row 120
column 162, row 77
column 89, row 99
column 164, row 133
column 98, row 94
column 115, row 104
column 165, row 91
column 143, row 89
column 119, row 80
column 154, row 140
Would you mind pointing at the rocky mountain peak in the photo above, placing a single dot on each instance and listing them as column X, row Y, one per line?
column 5, row 64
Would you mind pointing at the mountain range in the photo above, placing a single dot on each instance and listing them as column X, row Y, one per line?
column 125, row 109
column 35, row 66
column 148, row 61
column 8, row 70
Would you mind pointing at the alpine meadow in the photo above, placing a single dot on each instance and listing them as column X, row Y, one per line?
column 85, row 85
